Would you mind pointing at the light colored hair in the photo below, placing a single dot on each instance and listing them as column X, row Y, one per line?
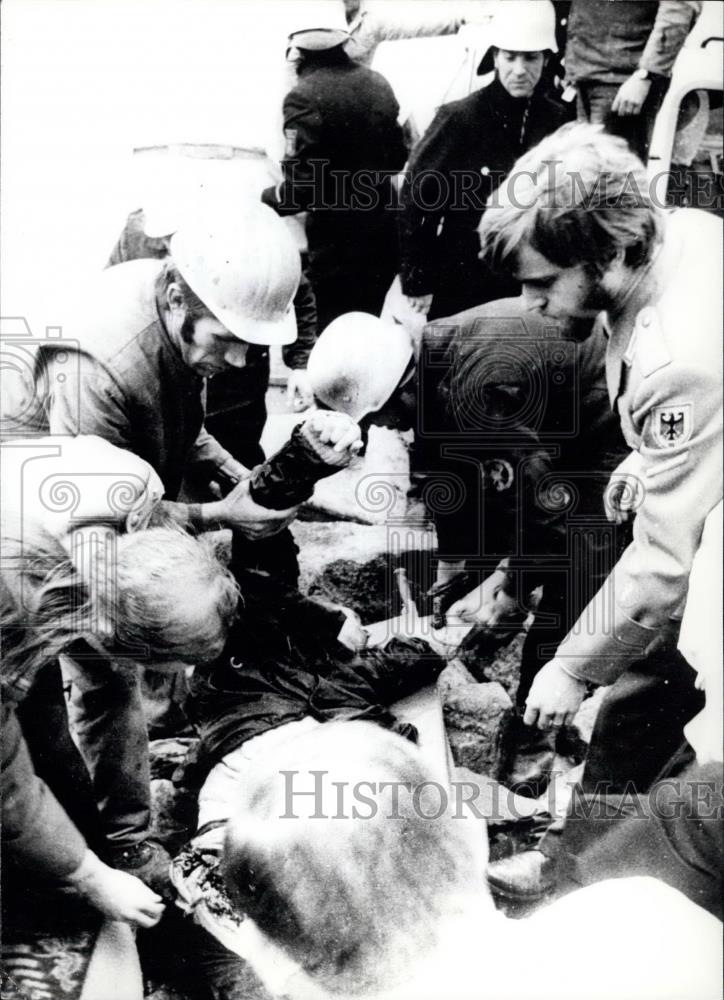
column 44, row 602
column 579, row 197
column 354, row 901
column 173, row 597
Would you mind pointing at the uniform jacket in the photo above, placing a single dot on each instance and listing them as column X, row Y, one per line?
column 282, row 662
column 463, row 157
column 607, row 40
column 126, row 381
column 665, row 381
column 516, row 437
column 343, row 144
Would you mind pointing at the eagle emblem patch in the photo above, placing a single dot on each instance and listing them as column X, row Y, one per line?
column 671, row 425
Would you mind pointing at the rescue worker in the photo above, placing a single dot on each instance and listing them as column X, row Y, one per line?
column 465, row 153
column 576, row 225
column 235, row 412
column 514, row 447
column 100, row 592
column 342, row 146
column 148, row 335
column 234, row 398
column 619, row 58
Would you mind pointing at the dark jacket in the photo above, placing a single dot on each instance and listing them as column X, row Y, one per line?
column 517, row 438
column 37, row 833
column 343, row 143
column 609, row 39
column 463, row 157
column 283, row 662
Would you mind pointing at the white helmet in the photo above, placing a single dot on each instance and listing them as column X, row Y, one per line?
column 521, row 26
column 318, row 25
column 357, row 363
column 245, row 268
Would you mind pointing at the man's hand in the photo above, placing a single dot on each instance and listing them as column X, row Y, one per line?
column 420, row 303
column 116, row 894
column 299, row 390
column 630, row 96
column 238, row 511
column 335, row 437
column 554, row 698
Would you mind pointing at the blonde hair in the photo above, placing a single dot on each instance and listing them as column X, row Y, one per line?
column 173, row 598
column 579, row 197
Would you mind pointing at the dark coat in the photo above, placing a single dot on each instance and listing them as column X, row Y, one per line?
column 343, row 143
column 517, row 436
column 463, row 157
column 282, row 662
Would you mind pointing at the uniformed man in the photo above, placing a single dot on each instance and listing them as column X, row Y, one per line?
column 342, row 146
column 514, row 445
column 465, row 153
column 575, row 224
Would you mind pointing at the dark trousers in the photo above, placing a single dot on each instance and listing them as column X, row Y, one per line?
column 362, row 291
column 674, row 833
column 594, row 105
column 44, row 720
column 638, row 731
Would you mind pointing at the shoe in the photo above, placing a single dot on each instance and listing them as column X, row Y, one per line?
column 528, row 875
column 150, row 862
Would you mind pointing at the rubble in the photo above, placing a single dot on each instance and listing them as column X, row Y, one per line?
column 476, row 719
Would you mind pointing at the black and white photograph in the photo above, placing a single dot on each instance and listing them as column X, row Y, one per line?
column 361, row 620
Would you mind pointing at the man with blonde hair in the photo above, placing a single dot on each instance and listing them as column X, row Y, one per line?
column 576, row 224
column 132, row 371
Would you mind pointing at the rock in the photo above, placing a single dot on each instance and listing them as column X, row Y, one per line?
column 454, row 675
column 476, row 718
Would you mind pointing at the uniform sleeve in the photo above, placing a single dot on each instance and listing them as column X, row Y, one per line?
column 88, row 401
column 674, row 20
column 679, row 417
column 302, row 165
column 36, row 831
column 296, row 355
column 426, row 180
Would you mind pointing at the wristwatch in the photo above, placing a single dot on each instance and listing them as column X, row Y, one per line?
column 643, row 74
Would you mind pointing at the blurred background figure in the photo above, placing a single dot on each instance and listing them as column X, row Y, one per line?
column 467, row 150
column 342, row 146
column 619, row 57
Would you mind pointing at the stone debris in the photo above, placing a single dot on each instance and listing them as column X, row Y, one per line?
column 476, row 719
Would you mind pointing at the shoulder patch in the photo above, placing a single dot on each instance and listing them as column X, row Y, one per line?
column 671, row 425
column 652, row 352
